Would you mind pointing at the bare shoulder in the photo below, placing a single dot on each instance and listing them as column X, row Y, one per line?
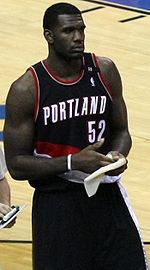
column 23, row 85
column 106, row 64
column 22, row 90
column 111, row 74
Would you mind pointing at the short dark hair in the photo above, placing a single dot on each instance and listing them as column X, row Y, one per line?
column 51, row 14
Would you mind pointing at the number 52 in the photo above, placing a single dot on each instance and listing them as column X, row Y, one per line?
column 95, row 133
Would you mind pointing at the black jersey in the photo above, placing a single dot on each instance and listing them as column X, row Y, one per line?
column 71, row 115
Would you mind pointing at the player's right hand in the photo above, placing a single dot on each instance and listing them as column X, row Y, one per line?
column 90, row 159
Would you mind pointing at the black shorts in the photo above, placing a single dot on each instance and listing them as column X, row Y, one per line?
column 74, row 232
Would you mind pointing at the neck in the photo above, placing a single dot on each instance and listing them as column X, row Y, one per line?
column 67, row 69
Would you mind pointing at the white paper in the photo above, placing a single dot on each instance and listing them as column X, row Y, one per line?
column 91, row 183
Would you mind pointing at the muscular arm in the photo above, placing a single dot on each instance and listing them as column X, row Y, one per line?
column 19, row 134
column 121, row 141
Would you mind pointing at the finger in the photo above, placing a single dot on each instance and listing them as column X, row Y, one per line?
column 1, row 215
column 114, row 155
column 3, row 211
column 104, row 163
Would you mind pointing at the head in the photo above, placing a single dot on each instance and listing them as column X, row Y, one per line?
column 64, row 30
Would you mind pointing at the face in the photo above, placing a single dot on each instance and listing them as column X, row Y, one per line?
column 68, row 36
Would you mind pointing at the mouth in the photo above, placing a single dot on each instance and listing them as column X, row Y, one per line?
column 78, row 49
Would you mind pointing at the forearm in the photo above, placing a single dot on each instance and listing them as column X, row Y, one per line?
column 31, row 167
column 34, row 168
column 122, row 142
column 4, row 192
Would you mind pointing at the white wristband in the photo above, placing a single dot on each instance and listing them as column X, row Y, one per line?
column 69, row 162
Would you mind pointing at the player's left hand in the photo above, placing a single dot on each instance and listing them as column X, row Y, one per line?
column 116, row 156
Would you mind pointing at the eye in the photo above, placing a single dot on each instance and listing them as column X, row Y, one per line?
column 68, row 30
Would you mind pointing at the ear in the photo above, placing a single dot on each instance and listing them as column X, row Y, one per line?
column 49, row 36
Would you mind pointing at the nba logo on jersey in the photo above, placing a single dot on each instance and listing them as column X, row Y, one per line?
column 92, row 82
column 90, row 69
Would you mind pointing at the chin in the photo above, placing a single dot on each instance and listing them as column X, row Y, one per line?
column 76, row 55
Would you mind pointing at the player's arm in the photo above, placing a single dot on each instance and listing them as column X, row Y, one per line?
column 4, row 197
column 5, row 200
column 4, row 188
column 4, row 191
column 19, row 134
column 121, row 140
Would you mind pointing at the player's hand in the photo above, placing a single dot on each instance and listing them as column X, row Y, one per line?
column 89, row 159
column 116, row 156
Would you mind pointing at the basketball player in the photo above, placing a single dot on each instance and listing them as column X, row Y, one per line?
column 63, row 116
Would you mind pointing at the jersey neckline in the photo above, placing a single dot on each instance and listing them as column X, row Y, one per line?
column 57, row 79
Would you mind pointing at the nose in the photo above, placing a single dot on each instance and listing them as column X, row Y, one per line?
column 78, row 35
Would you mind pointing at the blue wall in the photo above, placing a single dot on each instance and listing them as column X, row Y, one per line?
column 139, row 4
column 2, row 117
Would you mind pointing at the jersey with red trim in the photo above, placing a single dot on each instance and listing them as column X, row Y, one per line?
column 71, row 115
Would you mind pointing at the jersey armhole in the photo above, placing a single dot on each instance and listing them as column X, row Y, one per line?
column 101, row 76
column 37, row 92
